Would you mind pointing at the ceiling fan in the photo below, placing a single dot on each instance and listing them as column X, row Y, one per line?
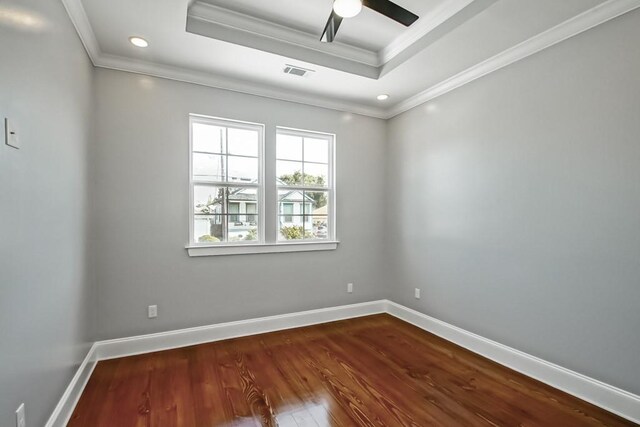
column 350, row 8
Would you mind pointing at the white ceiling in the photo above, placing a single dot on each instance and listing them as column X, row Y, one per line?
column 175, row 53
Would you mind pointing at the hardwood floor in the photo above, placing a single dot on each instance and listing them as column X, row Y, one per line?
column 370, row 371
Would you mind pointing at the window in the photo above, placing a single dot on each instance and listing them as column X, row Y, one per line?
column 229, row 198
column 226, row 177
column 304, row 177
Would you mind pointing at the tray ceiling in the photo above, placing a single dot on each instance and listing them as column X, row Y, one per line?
column 311, row 16
column 453, row 42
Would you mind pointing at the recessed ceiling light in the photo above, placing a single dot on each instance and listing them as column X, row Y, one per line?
column 347, row 8
column 138, row 41
column 383, row 97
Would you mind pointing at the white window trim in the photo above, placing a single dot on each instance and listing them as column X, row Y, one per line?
column 262, row 248
column 262, row 245
column 331, row 216
column 260, row 186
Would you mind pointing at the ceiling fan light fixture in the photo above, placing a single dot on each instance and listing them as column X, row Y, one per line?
column 347, row 8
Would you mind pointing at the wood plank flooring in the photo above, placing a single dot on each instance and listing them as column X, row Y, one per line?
column 370, row 371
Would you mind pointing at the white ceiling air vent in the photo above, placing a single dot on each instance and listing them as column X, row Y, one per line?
column 297, row 71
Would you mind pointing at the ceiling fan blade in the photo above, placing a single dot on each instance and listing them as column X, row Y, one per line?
column 392, row 10
column 330, row 30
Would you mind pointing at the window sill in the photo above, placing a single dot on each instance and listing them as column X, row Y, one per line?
column 265, row 248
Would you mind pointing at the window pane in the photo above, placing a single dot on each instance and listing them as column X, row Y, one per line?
column 289, row 173
column 242, row 169
column 239, row 227
column 241, row 196
column 208, row 200
column 205, row 229
column 317, row 203
column 208, row 138
column 290, row 202
column 241, row 230
column 212, row 228
column 316, row 150
column 302, row 214
column 243, row 142
column 316, row 214
column 220, row 214
column 289, row 147
column 315, row 174
column 208, row 206
column 318, row 226
column 291, row 227
column 209, row 167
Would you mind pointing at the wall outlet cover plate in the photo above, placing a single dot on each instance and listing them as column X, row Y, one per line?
column 152, row 311
column 10, row 134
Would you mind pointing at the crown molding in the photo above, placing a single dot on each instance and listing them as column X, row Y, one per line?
column 80, row 21
column 580, row 23
column 220, row 82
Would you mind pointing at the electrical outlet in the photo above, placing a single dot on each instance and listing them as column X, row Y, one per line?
column 153, row 311
column 416, row 293
column 20, row 420
column 350, row 288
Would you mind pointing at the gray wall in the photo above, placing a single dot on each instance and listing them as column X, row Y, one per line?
column 141, row 212
column 517, row 204
column 46, row 300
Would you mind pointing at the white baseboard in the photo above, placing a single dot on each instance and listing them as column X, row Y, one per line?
column 64, row 409
column 612, row 399
column 185, row 337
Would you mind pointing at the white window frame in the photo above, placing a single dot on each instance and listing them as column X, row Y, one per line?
column 268, row 241
column 330, row 188
column 259, row 186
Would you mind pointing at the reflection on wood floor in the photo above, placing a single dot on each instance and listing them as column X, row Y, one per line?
column 370, row 371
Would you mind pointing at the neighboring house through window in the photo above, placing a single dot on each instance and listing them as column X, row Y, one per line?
column 251, row 210
column 287, row 210
column 234, row 210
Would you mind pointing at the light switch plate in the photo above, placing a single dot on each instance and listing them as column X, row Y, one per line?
column 11, row 134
